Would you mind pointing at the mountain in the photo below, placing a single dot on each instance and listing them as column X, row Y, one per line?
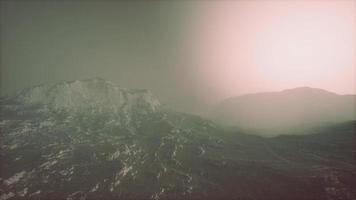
column 90, row 97
column 278, row 112
column 95, row 93
column 91, row 139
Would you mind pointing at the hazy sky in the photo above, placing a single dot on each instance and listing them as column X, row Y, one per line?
column 190, row 54
column 253, row 46
column 134, row 44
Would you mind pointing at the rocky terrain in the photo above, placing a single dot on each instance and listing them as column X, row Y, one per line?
column 91, row 139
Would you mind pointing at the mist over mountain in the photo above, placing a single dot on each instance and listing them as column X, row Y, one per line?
column 273, row 113
column 130, row 100
column 91, row 139
column 95, row 93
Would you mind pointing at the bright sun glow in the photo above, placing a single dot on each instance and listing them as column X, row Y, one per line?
column 244, row 46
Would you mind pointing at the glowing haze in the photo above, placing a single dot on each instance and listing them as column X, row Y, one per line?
column 191, row 54
column 252, row 46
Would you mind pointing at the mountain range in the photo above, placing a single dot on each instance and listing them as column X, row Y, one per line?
column 274, row 113
column 90, row 139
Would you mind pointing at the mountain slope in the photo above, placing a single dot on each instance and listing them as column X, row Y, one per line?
column 93, row 93
column 85, row 152
column 280, row 111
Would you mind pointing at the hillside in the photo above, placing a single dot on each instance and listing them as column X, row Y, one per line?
column 84, row 151
column 278, row 112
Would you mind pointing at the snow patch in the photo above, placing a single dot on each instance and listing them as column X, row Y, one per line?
column 23, row 192
column 49, row 164
column 202, row 150
column 157, row 195
column 7, row 196
column 14, row 146
column 114, row 156
column 35, row 193
column 15, row 178
column 4, row 122
column 95, row 188
column 125, row 170
column 47, row 123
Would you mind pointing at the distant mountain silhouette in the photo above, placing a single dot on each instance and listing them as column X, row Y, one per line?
column 284, row 110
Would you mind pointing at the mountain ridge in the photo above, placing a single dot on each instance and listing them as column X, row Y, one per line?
column 87, row 93
column 270, row 111
column 291, row 90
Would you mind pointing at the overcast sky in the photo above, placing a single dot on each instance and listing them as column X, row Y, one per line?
column 191, row 55
column 134, row 44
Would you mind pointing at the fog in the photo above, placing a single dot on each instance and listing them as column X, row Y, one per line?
column 293, row 111
column 192, row 55
column 133, row 44
column 166, row 100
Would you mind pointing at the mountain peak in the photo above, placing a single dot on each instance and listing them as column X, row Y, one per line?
column 286, row 109
column 307, row 90
column 95, row 93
